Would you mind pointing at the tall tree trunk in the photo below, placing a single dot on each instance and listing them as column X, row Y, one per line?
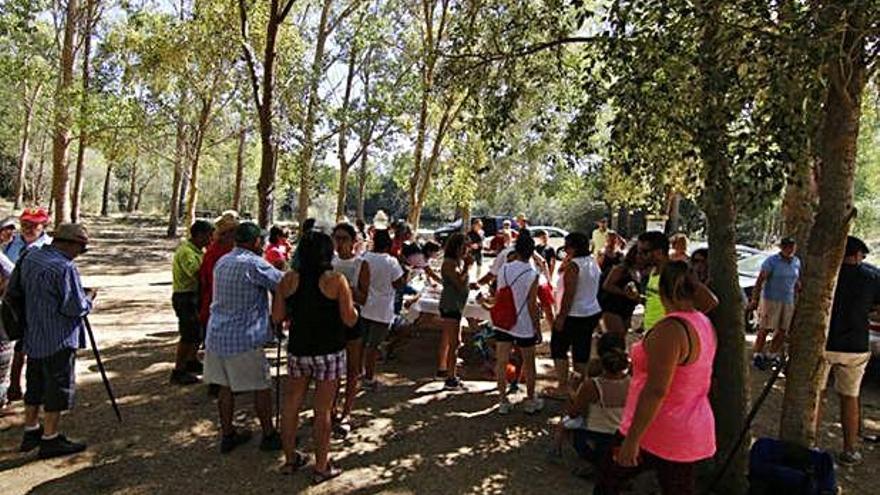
column 179, row 164
column 308, row 150
column 730, row 391
column 344, row 164
column 239, row 168
column 263, row 93
column 193, row 196
column 105, row 194
column 799, row 202
column 362, row 181
column 61, row 135
column 837, row 142
column 88, row 23
column 38, row 184
column 24, row 148
column 132, row 187
column 673, row 213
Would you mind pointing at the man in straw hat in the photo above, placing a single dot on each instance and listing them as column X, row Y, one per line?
column 33, row 235
column 56, row 305
column 185, row 300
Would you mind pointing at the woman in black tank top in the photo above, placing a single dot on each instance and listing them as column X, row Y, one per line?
column 317, row 303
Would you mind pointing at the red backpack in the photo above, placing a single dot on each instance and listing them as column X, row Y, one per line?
column 504, row 314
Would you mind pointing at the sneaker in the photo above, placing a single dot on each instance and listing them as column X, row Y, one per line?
column 271, row 442
column 341, row 429
column 513, row 388
column 504, row 407
column 31, row 440
column 575, row 423
column 533, row 406
column 453, row 383
column 774, row 362
column 850, row 458
column 759, row 361
column 58, row 447
column 195, row 367
column 232, row 441
column 181, row 377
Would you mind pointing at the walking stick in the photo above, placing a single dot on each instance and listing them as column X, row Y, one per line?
column 748, row 424
column 101, row 369
column 278, row 335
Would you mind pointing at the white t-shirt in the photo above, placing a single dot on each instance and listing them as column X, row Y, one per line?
column 350, row 268
column 526, row 273
column 500, row 260
column 586, row 302
column 384, row 270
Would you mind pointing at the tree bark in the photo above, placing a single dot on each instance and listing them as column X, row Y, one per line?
column 177, row 180
column 344, row 164
column 730, row 390
column 61, row 134
column 362, row 180
column 24, row 149
column 799, row 202
column 202, row 128
column 105, row 195
column 88, row 23
column 838, row 136
column 132, row 187
column 38, row 183
column 239, row 168
column 308, row 149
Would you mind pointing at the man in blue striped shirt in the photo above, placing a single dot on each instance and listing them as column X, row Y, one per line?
column 55, row 306
column 237, row 329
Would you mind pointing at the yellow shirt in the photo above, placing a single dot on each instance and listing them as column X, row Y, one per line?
column 185, row 267
column 599, row 239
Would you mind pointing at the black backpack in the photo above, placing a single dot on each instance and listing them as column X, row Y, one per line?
column 12, row 308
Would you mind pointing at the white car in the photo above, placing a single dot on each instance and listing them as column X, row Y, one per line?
column 556, row 236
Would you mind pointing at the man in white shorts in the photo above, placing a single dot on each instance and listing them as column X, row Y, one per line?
column 847, row 350
column 237, row 329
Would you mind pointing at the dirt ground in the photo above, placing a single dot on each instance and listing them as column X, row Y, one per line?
column 411, row 437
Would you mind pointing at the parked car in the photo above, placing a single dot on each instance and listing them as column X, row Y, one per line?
column 491, row 225
column 742, row 251
column 556, row 236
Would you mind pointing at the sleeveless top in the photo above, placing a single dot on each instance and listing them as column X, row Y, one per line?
column 585, row 302
column 615, row 303
column 452, row 298
column 684, row 428
column 612, row 397
column 519, row 277
column 316, row 326
column 654, row 310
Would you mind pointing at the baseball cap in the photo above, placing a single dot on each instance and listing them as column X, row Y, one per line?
column 855, row 245
column 34, row 215
column 7, row 223
column 73, row 232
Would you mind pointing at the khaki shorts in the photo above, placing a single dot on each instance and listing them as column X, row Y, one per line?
column 848, row 368
column 244, row 372
column 774, row 315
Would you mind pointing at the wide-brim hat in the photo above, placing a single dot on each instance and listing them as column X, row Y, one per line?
column 34, row 215
column 72, row 232
column 226, row 222
column 7, row 223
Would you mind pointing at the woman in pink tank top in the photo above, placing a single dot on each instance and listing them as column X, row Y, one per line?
column 667, row 422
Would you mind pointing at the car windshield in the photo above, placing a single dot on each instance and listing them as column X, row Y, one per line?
column 751, row 265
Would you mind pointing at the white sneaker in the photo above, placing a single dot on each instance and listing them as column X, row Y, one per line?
column 504, row 407
column 533, row 406
column 576, row 423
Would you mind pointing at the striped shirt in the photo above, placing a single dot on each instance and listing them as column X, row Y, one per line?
column 239, row 320
column 17, row 245
column 55, row 303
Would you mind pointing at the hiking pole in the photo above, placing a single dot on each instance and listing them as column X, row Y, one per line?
column 101, row 369
column 748, row 424
column 278, row 335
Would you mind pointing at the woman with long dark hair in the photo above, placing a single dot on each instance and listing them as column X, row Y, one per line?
column 454, row 273
column 620, row 294
column 667, row 422
column 319, row 306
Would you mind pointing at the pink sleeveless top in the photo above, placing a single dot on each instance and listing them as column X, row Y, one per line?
column 684, row 428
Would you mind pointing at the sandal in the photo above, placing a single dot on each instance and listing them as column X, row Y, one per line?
column 333, row 471
column 299, row 461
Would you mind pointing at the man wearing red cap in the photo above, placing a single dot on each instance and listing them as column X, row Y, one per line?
column 32, row 235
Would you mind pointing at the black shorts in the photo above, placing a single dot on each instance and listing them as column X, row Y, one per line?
column 186, row 307
column 517, row 341
column 354, row 333
column 51, row 381
column 576, row 334
column 450, row 315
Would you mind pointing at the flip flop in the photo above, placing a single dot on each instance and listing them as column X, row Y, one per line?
column 333, row 471
column 299, row 461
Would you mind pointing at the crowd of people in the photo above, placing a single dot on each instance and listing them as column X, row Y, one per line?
column 634, row 398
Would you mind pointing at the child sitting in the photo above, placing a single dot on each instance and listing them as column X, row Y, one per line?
column 600, row 400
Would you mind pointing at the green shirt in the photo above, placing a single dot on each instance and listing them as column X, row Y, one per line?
column 654, row 310
column 185, row 267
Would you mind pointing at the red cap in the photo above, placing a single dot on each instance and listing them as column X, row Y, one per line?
column 34, row 215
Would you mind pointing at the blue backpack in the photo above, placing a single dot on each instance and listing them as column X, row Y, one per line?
column 780, row 467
